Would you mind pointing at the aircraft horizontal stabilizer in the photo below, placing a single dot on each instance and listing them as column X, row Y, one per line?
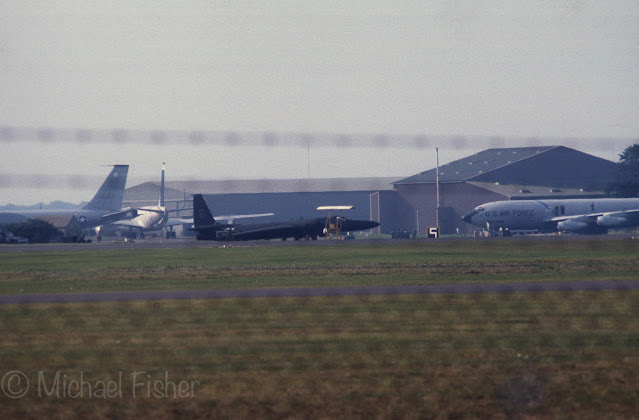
column 119, row 215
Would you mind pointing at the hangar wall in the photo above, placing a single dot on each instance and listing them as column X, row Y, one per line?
column 455, row 200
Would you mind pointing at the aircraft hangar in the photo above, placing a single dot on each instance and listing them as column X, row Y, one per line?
column 408, row 203
column 521, row 173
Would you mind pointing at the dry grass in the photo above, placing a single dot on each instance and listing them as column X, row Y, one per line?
column 500, row 356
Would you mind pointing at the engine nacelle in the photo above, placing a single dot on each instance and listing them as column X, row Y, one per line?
column 572, row 226
column 609, row 220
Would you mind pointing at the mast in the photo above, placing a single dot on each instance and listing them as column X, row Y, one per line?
column 437, row 187
column 162, row 187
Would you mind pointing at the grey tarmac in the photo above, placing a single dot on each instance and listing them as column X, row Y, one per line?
column 188, row 243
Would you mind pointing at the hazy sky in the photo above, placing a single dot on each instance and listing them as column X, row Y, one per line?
column 544, row 69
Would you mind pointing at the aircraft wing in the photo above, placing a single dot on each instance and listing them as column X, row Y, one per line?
column 625, row 218
column 577, row 218
column 230, row 219
column 174, row 221
column 629, row 213
column 134, row 223
column 119, row 215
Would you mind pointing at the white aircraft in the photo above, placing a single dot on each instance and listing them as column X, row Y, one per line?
column 570, row 215
column 151, row 218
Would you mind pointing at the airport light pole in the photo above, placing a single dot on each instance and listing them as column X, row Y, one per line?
column 437, row 186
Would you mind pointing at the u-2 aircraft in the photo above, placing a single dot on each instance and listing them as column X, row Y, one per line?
column 208, row 228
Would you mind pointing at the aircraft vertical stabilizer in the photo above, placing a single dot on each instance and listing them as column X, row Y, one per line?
column 201, row 214
column 162, row 187
column 110, row 194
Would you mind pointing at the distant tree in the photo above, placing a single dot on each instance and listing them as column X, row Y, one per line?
column 37, row 231
column 626, row 181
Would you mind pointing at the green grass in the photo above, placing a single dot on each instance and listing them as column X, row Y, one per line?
column 530, row 355
column 328, row 265
column 494, row 356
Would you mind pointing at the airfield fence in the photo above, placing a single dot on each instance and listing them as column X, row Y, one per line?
column 450, row 144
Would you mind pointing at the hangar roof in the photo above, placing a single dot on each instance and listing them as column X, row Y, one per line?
column 531, row 192
column 477, row 164
column 545, row 165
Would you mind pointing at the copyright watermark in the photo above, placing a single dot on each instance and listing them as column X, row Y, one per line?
column 15, row 384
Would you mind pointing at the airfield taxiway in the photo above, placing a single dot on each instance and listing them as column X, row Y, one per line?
column 160, row 243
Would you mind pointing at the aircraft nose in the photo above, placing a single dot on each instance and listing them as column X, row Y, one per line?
column 353, row 225
column 372, row 225
column 468, row 218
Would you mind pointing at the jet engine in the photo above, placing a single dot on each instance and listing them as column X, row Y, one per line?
column 609, row 220
column 572, row 226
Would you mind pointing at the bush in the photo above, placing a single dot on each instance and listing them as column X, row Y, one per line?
column 36, row 231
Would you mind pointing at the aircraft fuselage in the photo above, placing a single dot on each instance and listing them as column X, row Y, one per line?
column 547, row 215
column 298, row 229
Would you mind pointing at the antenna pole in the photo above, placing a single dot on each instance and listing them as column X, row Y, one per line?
column 437, row 187
column 162, row 186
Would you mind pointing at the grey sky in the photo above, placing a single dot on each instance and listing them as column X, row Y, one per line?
column 475, row 68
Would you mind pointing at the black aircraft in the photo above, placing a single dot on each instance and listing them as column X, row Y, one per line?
column 209, row 230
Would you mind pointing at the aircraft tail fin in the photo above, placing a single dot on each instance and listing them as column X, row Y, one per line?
column 161, row 204
column 110, row 194
column 201, row 214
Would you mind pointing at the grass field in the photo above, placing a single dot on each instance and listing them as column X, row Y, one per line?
column 529, row 355
column 337, row 265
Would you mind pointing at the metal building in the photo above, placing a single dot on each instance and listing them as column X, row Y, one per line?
column 499, row 174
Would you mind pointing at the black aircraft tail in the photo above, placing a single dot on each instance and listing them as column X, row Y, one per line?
column 201, row 214
column 110, row 194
